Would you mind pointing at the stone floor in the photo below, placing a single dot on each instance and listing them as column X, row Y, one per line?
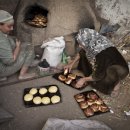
column 34, row 118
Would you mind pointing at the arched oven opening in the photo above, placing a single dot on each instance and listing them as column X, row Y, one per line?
column 36, row 16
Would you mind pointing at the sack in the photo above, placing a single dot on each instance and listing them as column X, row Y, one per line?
column 53, row 50
column 60, row 124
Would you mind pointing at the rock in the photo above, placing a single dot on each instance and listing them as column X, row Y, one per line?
column 5, row 115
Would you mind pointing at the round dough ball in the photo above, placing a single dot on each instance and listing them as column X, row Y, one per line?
column 37, row 100
column 53, row 89
column 46, row 100
column 33, row 91
column 28, row 97
column 42, row 91
column 55, row 99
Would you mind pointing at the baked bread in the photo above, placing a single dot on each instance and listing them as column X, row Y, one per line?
column 68, row 81
column 80, row 97
column 46, row 100
column 103, row 108
column 83, row 104
column 53, row 89
column 90, row 102
column 37, row 100
column 95, row 107
column 28, row 97
column 55, row 99
column 72, row 76
column 92, row 96
column 66, row 71
column 99, row 101
column 89, row 111
column 61, row 77
column 33, row 91
column 42, row 91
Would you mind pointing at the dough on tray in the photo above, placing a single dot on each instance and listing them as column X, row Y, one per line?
column 53, row 89
column 37, row 100
column 33, row 91
column 55, row 99
column 46, row 100
column 42, row 91
column 28, row 97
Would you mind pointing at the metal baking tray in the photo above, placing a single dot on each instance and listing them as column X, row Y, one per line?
column 73, row 81
column 48, row 94
column 87, row 97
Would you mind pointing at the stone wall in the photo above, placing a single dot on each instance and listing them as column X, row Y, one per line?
column 116, row 11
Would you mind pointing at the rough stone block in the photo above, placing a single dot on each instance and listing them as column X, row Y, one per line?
column 5, row 115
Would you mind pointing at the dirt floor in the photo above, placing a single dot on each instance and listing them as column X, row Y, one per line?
column 34, row 118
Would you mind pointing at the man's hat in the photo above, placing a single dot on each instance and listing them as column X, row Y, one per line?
column 6, row 17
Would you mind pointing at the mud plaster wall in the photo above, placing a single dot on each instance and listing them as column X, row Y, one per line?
column 8, row 5
column 116, row 11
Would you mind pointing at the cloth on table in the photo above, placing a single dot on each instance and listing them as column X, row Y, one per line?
column 60, row 124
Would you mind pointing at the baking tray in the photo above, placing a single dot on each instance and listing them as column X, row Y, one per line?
column 48, row 94
column 96, row 100
column 37, row 26
column 73, row 81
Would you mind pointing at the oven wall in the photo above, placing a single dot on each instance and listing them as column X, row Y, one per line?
column 9, row 5
column 64, row 17
column 115, row 11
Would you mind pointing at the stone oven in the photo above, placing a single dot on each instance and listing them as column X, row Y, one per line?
column 61, row 17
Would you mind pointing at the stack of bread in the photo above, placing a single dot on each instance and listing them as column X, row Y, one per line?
column 38, row 21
